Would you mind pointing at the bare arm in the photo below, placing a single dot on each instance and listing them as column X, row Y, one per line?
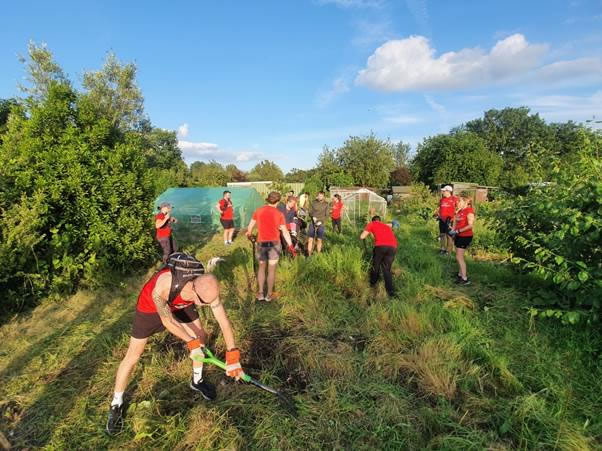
column 470, row 220
column 161, row 222
column 224, row 324
column 167, row 317
column 250, row 227
column 217, row 207
column 364, row 235
column 286, row 234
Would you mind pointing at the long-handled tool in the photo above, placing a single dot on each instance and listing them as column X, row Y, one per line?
column 253, row 241
column 285, row 399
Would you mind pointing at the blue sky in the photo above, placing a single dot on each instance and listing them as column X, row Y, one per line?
column 247, row 80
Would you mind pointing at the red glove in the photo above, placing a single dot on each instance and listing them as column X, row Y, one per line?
column 291, row 249
column 233, row 368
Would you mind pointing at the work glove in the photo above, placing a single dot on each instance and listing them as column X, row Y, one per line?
column 452, row 233
column 292, row 250
column 233, row 368
column 196, row 350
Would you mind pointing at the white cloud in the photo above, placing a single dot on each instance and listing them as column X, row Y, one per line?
column 410, row 64
column 204, row 151
column 339, row 86
column 183, row 130
column 353, row 3
column 369, row 33
column 402, row 119
column 590, row 67
column 564, row 107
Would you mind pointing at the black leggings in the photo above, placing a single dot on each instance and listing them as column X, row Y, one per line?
column 382, row 257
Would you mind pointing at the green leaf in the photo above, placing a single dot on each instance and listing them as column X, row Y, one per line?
column 583, row 276
column 559, row 259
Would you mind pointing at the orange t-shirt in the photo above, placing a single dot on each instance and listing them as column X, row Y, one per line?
column 269, row 220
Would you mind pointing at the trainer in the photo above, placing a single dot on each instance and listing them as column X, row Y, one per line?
column 270, row 223
column 226, row 216
column 154, row 313
column 383, row 255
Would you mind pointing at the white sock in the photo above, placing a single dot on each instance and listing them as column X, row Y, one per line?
column 117, row 399
column 197, row 374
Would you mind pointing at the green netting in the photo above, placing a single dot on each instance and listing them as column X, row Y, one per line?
column 194, row 208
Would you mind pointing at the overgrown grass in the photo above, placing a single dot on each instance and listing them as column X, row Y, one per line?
column 436, row 368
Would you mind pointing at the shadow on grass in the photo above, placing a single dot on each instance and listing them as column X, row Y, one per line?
column 38, row 421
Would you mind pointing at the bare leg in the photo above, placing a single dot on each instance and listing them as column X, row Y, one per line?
column 310, row 245
column 461, row 262
column 225, row 235
column 319, row 245
column 128, row 363
column 261, row 277
column 230, row 234
column 443, row 241
column 271, row 276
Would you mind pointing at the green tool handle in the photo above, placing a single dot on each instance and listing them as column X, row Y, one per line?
column 217, row 362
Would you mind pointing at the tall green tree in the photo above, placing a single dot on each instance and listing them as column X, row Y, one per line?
column 329, row 170
column 235, row 174
column 368, row 160
column 114, row 90
column 208, row 174
column 266, row 170
column 41, row 71
column 401, row 153
column 299, row 175
column 461, row 156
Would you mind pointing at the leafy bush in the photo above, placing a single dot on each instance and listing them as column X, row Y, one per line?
column 554, row 232
column 421, row 204
column 75, row 201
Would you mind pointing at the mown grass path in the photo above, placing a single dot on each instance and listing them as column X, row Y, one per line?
column 437, row 368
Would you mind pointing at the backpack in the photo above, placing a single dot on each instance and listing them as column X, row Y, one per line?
column 183, row 268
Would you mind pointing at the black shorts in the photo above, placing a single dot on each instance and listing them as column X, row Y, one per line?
column 336, row 221
column 444, row 225
column 462, row 242
column 227, row 223
column 147, row 324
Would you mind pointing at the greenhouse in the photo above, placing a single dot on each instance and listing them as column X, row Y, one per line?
column 194, row 208
column 360, row 204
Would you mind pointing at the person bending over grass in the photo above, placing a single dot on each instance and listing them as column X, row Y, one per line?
column 445, row 214
column 318, row 213
column 336, row 213
column 154, row 314
column 462, row 235
column 383, row 255
column 226, row 216
column 163, row 221
column 270, row 223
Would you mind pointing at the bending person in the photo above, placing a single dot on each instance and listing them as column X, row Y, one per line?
column 383, row 255
column 154, row 314
column 270, row 223
column 462, row 235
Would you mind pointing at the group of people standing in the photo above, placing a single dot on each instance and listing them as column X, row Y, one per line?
column 456, row 219
column 164, row 303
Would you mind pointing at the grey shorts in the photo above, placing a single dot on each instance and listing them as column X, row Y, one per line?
column 268, row 250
